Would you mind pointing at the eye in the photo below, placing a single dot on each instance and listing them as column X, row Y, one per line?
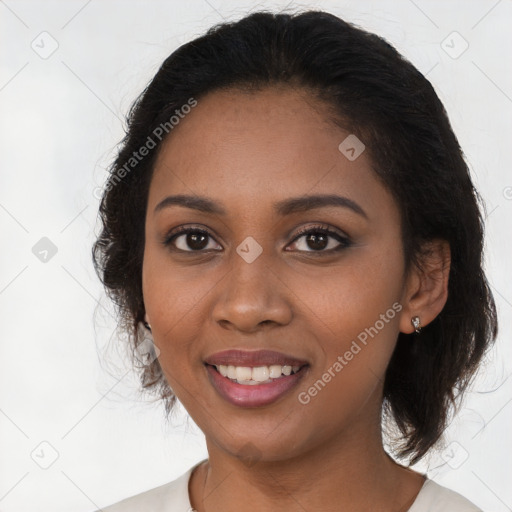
column 317, row 239
column 188, row 239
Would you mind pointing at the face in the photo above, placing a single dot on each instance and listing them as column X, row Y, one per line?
column 250, row 280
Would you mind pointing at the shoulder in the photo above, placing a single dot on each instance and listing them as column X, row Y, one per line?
column 159, row 499
column 437, row 498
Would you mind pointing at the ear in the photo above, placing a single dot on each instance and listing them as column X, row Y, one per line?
column 426, row 288
column 146, row 319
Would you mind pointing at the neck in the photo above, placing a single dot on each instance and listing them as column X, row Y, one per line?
column 346, row 473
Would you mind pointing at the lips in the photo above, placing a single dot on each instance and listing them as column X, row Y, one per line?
column 251, row 393
column 253, row 358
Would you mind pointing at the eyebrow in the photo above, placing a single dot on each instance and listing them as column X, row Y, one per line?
column 282, row 208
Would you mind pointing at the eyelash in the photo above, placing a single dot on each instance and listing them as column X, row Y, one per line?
column 324, row 230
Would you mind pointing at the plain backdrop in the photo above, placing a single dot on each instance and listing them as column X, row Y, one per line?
column 75, row 433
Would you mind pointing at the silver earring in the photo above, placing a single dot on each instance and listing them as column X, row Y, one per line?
column 415, row 320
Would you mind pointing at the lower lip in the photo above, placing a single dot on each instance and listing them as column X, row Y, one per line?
column 255, row 395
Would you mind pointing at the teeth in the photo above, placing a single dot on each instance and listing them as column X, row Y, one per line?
column 231, row 372
column 257, row 375
column 243, row 373
column 275, row 371
column 260, row 373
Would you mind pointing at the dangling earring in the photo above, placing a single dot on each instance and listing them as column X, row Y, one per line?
column 415, row 320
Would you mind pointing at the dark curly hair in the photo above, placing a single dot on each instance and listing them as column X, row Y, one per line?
column 375, row 93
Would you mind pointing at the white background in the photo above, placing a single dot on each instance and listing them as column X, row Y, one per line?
column 62, row 378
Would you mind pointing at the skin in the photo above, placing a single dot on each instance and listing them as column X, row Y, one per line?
column 247, row 151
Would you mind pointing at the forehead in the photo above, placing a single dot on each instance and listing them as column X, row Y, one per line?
column 277, row 142
column 234, row 127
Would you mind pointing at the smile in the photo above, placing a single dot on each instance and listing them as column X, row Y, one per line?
column 254, row 378
column 246, row 375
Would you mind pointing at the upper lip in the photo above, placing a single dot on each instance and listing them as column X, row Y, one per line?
column 253, row 358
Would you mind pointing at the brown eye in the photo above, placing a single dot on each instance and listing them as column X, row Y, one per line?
column 316, row 239
column 321, row 239
column 189, row 239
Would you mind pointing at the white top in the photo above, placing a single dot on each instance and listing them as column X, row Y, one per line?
column 173, row 497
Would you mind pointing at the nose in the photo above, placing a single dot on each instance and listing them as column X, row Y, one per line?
column 252, row 295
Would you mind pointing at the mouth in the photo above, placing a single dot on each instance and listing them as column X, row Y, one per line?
column 254, row 376
column 254, row 379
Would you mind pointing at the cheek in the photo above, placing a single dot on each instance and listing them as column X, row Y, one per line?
column 175, row 308
column 351, row 297
column 171, row 300
column 347, row 382
column 354, row 315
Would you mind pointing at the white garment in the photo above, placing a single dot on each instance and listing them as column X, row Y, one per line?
column 173, row 497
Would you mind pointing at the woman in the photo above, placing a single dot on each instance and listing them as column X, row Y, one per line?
column 290, row 220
